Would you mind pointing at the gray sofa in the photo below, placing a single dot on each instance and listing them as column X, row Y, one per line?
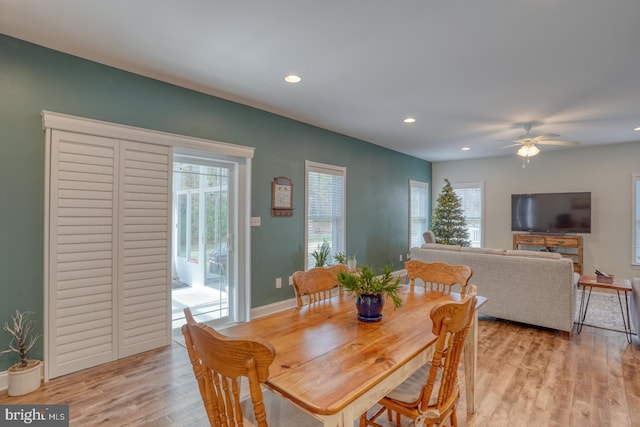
column 537, row 288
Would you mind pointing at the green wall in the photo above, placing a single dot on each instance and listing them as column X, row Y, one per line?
column 33, row 79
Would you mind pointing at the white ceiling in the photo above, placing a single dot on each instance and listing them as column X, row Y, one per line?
column 470, row 71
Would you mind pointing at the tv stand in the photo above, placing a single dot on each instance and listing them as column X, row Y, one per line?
column 567, row 246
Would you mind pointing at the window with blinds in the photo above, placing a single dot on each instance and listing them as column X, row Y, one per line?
column 471, row 197
column 636, row 218
column 324, row 209
column 418, row 208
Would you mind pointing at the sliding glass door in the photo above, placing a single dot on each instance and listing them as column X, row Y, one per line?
column 204, row 259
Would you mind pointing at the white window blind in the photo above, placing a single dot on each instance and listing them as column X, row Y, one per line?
column 418, row 208
column 471, row 196
column 636, row 218
column 324, row 209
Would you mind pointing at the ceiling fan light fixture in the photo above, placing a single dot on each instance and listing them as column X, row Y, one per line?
column 292, row 78
column 528, row 150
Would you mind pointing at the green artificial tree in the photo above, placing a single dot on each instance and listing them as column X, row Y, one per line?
column 448, row 223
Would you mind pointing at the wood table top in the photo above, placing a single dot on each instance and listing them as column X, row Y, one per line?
column 326, row 358
column 591, row 280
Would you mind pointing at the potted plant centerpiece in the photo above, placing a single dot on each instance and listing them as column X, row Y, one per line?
column 371, row 290
column 25, row 376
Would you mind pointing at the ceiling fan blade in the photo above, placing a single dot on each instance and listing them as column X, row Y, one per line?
column 555, row 142
column 546, row 136
column 511, row 145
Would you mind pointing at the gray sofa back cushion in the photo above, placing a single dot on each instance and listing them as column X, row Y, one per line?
column 534, row 254
column 440, row 247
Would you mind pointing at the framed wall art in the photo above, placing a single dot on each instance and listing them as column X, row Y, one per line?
column 281, row 197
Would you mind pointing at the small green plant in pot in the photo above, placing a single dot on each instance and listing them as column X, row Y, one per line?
column 370, row 290
column 24, row 376
column 321, row 255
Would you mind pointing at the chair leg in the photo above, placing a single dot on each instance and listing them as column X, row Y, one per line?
column 364, row 421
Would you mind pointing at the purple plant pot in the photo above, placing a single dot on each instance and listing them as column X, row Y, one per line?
column 370, row 307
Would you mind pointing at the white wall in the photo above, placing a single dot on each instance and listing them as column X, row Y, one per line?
column 604, row 171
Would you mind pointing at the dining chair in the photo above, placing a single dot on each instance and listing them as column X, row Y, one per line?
column 218, row 364
column 431, row 394
column 317, row 283
column 429, row 237
column 439, row 276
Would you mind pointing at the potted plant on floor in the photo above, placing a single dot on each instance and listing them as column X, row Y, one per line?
column 370, row 290
column 321, row 255
column 25, row 376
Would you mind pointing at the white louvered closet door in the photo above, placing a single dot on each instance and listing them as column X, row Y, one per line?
column 144, row 255
column 82, row 246
column 109, row 257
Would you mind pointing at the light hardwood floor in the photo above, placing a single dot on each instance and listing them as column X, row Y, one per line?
column 526, row 377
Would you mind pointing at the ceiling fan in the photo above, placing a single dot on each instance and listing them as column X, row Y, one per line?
column 528, row 143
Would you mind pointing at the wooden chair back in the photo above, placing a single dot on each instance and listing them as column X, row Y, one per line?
column 430, row 395
column 218, row 363
column 316, row 283
column 439, row 276
column 451, row 321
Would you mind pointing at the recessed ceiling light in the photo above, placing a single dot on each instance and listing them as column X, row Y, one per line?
column 292, row 78
column 409, row 120
column 638, row 128
column 466, row 148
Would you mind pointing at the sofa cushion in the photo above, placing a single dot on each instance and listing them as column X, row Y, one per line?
column 489, row 251
column 454, row 248
column 533, row 254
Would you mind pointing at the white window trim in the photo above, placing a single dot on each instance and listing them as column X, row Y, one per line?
column 424, row 186
column 310, row 166
column 635, row 236
column 51, row 120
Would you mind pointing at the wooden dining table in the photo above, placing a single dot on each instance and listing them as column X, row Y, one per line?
column 335, row 367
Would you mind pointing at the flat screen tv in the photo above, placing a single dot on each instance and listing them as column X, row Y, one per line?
column 551, row 212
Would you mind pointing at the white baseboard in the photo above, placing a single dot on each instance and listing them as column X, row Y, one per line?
column 264, row 310
column 400, row 273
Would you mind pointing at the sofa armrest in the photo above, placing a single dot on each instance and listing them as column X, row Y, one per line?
column 635, row 304
column 576, row 279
